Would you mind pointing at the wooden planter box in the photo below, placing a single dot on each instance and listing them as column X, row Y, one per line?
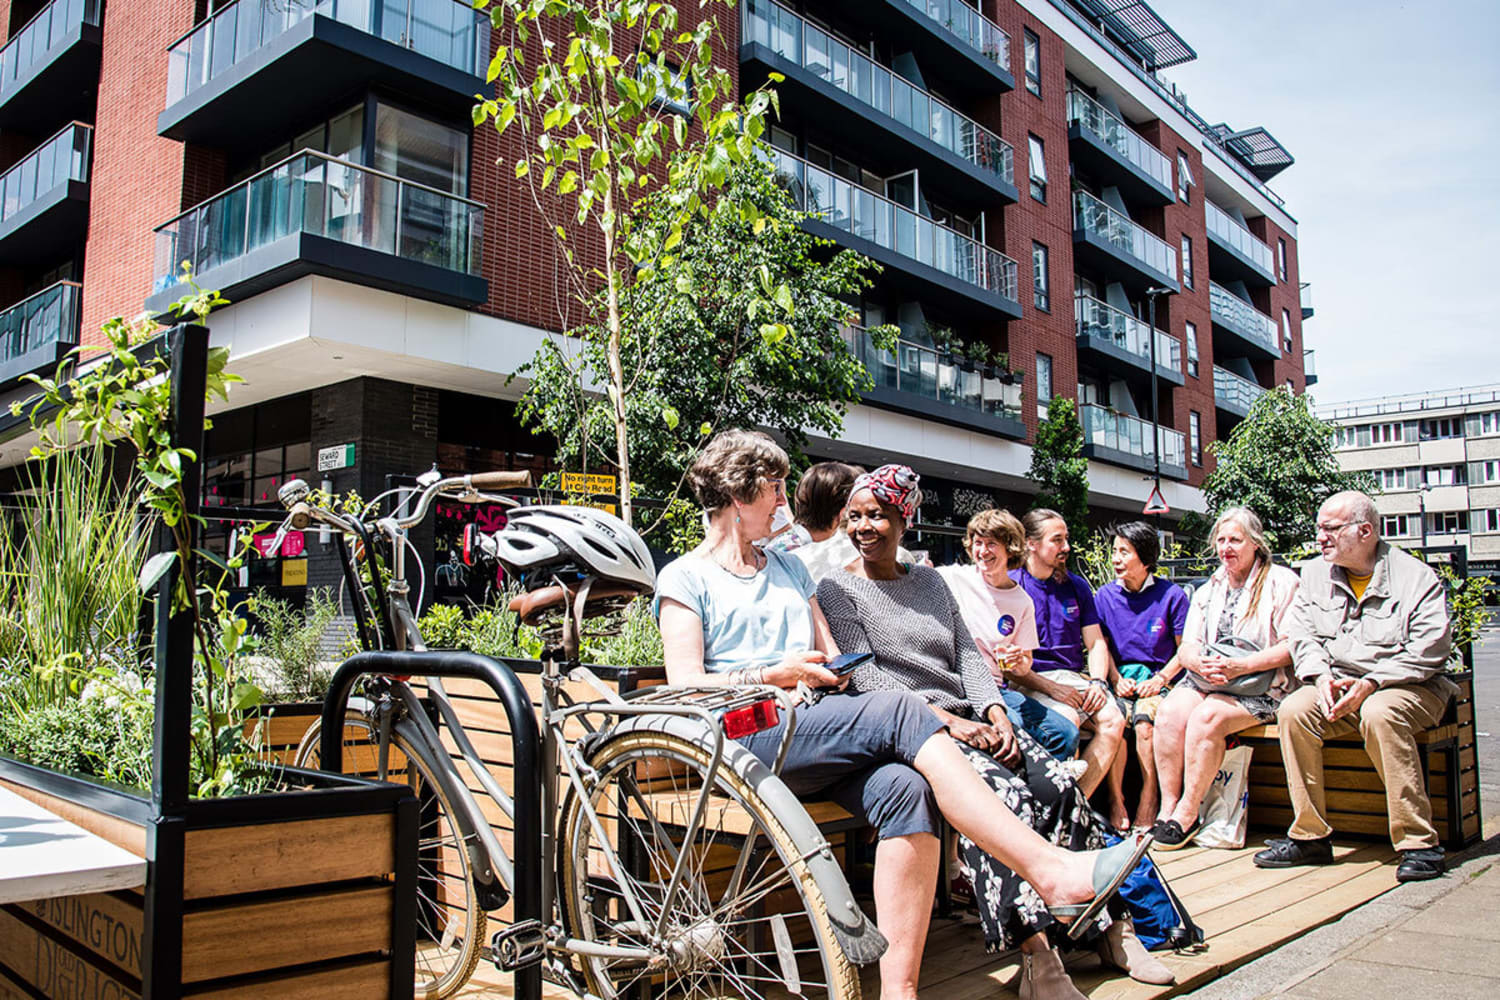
column 277, row 729
column 300, row 893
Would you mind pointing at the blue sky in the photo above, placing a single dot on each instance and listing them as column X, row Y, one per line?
column 1392, row 111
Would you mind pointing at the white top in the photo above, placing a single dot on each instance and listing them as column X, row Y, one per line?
column 43, row 855
column 748, row 621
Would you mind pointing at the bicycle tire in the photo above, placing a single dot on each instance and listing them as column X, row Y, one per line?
column 450, row 923
column 718, row 941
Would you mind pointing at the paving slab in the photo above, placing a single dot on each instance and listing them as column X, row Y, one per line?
column 1350, row 979
column 1438, row 952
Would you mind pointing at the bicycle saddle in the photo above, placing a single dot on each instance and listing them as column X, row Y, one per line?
column 604, row 597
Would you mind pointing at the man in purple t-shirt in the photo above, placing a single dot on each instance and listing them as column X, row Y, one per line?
column 1071, row 666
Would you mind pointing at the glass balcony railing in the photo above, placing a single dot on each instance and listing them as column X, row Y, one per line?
column 1228, row 229
column 64, row 157
column 863, row 213
column 1105, row 428
column 1085, row 111
column 450, row 31
column 870, row 83
column 1102, row 321
column 1116, row 228
column 1235, row 392
column 320, row 195
column 968, row 26
column 920, row 370
column 1229, row 310
column 48, row 317
column 30, row 46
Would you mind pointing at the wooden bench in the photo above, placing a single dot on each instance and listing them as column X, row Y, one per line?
column 1355, row 795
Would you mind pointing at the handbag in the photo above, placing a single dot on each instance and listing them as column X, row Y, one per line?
column 1161, row 921
column 1247, row 686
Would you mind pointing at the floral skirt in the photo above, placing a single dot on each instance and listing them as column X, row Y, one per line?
column 1046, row 799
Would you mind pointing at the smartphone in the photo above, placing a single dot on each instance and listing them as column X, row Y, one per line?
column 845, row 663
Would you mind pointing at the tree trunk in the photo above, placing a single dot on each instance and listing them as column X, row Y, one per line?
column 616, row 367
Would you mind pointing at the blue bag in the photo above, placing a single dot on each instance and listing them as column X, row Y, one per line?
column 1161, row 921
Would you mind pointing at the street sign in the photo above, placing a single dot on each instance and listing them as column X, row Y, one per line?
column 1156, row 503
column 608, row 508
column 340, row 456
column 294, row 573
column 578, row 482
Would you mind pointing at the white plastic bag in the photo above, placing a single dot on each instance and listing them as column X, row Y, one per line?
column 1226, row 808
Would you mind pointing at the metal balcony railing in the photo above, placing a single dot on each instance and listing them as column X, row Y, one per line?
column 29, row 46
column 1094, row 216
column 863, row 213
column 1105, row 428
column 48, row 317
column 1229, row 310
column 63, row 157
column 921, row 371
column 968, row 26
column 1085, row 111
column 870, row 83
column 1235, row 391
column 324, row 196
column 450, row 31
column 1227, row 228
column 1100, row 320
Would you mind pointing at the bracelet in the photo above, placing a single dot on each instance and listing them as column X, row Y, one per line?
column 1099, row 681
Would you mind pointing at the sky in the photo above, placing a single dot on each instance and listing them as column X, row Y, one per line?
column 1392, row 112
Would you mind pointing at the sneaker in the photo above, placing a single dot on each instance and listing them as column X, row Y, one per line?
column 1170, row 836
column 1292, row 853
column 1421, row 864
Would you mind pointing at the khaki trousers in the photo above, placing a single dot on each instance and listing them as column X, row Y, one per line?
column 1389, row 721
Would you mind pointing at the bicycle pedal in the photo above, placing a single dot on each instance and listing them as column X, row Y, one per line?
column 519, row 945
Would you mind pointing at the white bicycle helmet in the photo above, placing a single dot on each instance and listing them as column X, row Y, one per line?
column 552, row 539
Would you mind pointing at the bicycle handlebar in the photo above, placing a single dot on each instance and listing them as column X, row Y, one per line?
column 501, row 480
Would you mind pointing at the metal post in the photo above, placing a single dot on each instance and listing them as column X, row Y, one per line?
column 1151, row 294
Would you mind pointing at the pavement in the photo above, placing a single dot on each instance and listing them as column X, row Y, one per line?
column 1437, row 940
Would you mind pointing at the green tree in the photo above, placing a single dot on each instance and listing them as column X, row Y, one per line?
column 590, row 85
column 1279, row 462
column 1058, row 467
column 695, row 354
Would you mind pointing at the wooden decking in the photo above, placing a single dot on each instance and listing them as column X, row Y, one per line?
column 1245, row 912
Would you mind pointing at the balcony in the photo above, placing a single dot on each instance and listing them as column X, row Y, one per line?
column 37, row 332
column 1102, row 141
column 1234, row 252
column 1309, row 366
column 1120, row 439
column 1119, row 248
column 44, row 199
column 1235, row 394
column 49, row 70
column 928, row 257
column 849, row 95
column 922, row 382
column 314, row 214
column 1305, row 298
column 1114, row 338
column 948, row 37
column 1253, row 333
column 227, row 79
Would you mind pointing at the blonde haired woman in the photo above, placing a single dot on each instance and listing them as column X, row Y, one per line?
column 1247, row 598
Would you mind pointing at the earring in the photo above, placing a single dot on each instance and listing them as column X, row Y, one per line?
column 736, row 519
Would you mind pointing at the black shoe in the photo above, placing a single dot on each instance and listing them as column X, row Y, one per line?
column 1292, row 853
column 1422, row 864
column 1172, row 837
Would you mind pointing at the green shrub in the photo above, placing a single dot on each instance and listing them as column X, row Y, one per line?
column 291, row 640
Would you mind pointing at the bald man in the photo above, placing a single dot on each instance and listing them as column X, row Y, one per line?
column 1370, row 637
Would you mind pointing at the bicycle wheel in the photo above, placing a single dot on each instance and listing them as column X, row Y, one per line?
column 450, row 924
column 759, row 931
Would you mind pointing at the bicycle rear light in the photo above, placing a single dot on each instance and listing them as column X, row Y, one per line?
column 751, row 719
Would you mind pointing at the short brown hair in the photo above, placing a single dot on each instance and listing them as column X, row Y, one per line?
column 822, row 493
column 733, row 466
column 1002, row 528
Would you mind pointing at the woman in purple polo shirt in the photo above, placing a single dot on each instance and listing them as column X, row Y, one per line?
column 1067, row 626
column 1144, row 617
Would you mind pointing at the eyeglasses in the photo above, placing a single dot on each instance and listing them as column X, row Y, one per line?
column 1333, row 529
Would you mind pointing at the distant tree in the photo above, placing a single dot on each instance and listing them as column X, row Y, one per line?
column 1279, row 462
column 1058, row 467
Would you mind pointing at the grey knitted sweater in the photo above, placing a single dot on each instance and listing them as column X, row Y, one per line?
column 914, row 627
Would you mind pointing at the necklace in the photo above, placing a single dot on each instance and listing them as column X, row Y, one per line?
column 756, row 558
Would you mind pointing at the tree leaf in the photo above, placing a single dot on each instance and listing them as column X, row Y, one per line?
column 156, row 567
column 670, row 416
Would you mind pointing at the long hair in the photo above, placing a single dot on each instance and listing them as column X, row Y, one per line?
column 1249, row 522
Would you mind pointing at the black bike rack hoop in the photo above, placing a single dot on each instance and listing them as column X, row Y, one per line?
column 526, row 894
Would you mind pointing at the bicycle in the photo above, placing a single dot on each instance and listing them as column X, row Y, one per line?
column 680, row 863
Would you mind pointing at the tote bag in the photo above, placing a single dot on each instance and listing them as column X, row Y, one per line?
column 1226, row 807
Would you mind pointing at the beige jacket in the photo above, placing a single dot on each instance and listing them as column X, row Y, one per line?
column 1398, row 633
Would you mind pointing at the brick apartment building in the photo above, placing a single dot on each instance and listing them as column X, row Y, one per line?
column 1021, row 172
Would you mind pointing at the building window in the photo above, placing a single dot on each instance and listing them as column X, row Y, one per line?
column 1447, row 522
column 1398, row 479
column 1033, row 46
column 1281, row 257
column 1038, row 169
column 1484, row 423
column 1286, row 330
column 1385, row 434
column 1343, row 437
column 674, row 88
column 1442, row 427
column 1487, row 521
column 1195, row 436
column 1190, row 335
column 1396, row 525
column 1039, row 281
column 1484, row 473
column 1184, row 177
column 1043, row 384
column 1187, row 260
column 1445, row 475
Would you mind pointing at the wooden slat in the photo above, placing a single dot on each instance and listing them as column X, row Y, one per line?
column 363, row 981
column 293, row 931
column 106, row 924
column 257, row 858
column 52, row 968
